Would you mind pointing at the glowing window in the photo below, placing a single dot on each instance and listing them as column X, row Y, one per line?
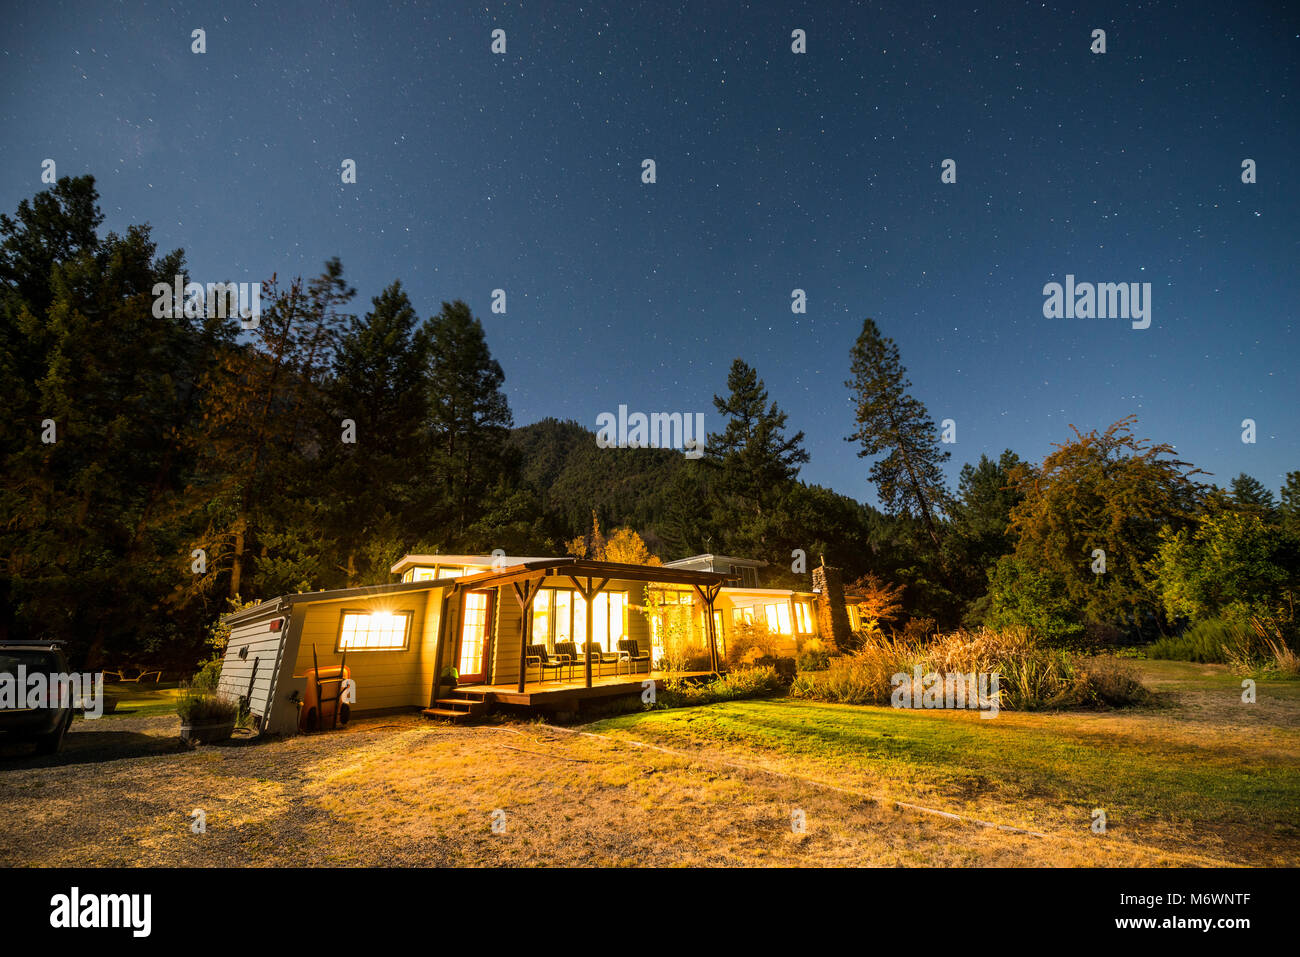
column 803, row 617
column 778, row 618
column 564, row 615
column 374, row 631
column 542, row 619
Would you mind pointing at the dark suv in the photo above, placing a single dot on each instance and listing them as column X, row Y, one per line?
column 45, row 725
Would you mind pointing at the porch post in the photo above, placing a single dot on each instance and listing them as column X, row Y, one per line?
column 589, row 595
column 710, row 596
column 588, row 600
column 525, row 597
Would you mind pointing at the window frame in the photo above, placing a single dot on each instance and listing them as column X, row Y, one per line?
column 407, row 613
column 803, row 619
column 548, row 594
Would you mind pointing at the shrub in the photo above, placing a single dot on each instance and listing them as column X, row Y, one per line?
column 1022, row 595
column 863, row 677
column 733, row 686
column 697, row 660
column 918, row 629
column 208, row 678
column 1030, row 674
column 1206, row 642
column 196, row 706
column 1102, row 682
column 813, row 659
column 748, row 642
column 1271, row 656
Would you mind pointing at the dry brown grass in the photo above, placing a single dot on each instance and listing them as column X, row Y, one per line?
column 405, row 791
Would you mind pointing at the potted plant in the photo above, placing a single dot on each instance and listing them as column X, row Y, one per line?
column 450, row 678
column 206, row 717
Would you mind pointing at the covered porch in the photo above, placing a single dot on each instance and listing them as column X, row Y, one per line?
column 507, row 652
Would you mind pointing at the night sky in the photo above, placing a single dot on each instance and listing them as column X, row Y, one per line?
column 775, row 171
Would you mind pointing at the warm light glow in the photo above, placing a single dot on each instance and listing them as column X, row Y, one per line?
column 370, row 631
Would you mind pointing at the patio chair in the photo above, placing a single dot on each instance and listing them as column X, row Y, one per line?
column 630, row 648
column 537, row 656
column 599, row 656
column 567, row 651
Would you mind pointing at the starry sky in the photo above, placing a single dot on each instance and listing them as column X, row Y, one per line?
column 775, row 171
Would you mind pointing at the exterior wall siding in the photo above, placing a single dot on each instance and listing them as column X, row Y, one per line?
column 253, row 674
column 384, row 679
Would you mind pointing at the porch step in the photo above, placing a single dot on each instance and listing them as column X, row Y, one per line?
column 468, row 705
column 470, row 694
column 447, row 714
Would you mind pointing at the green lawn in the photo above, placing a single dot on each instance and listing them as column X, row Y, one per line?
column 1197, row 769
column 142, row 700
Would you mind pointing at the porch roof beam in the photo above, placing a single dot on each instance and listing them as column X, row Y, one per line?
column 575, row 567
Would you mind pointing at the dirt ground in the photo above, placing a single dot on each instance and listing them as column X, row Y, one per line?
column 407, row 791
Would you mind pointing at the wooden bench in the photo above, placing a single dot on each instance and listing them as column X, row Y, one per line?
column 141, row 674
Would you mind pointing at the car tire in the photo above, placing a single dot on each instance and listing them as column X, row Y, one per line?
column 52, row 743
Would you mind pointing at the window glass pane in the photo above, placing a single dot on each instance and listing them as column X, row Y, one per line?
column 773, row 623
column 423, row 575
column 374, row 630
column 564, row 616
column 450, row 571
column 580, row 620
column 600, row 624
column 542, row 619
column 803, row 617
column 783, row 617
column 617, row 602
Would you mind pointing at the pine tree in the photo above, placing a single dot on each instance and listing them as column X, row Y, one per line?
column 468, row 416
column 892, row 423
column 264, row 422
column 1289, row 510
column 1251, row 493
column 754, row 458
column 374, row 482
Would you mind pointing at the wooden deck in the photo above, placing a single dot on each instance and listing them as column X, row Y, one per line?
column 558, row 693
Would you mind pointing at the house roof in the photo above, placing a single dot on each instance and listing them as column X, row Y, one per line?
column 735, row 591
column 407, row 561
column 521, row 570
column 711, row 558
column 585, row 568
column 275, row 606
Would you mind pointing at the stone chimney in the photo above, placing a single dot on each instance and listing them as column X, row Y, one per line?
column 832, row 619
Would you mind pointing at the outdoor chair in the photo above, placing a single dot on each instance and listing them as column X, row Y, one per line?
column 568, row 651
column 630, row 648
column 538, row 657
column 599, row 656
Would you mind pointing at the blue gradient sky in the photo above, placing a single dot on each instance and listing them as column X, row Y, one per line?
column 775, row 171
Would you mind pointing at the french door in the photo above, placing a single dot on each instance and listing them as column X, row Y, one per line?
column 475, row 637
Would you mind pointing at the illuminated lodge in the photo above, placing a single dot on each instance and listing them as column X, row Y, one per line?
column 460, row 634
